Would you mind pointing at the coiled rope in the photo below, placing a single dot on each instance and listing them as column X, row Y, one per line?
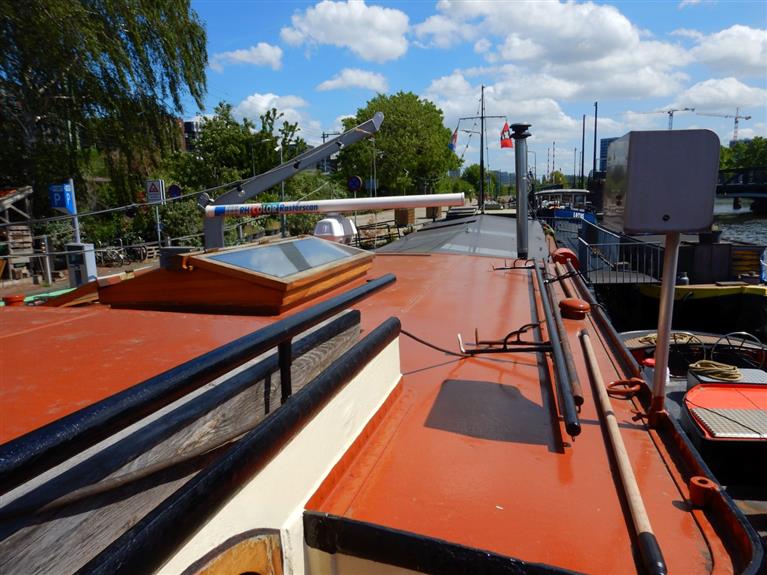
column 716, row 370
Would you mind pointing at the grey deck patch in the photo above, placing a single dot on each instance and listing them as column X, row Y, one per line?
column 733, row 423
column 483, row 235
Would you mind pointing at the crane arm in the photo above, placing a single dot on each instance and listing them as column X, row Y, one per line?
column 214, row 229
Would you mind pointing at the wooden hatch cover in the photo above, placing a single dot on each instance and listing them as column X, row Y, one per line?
column 262, row 279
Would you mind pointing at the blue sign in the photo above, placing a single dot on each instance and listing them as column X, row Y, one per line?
column 354, row 184
column 174, row 191
column 62, row 198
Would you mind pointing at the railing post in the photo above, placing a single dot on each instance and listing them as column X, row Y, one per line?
column 286, row 358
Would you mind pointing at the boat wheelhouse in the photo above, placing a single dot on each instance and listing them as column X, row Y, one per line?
column 564, row 203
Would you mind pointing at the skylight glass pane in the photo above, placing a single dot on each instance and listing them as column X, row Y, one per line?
column 285, row 259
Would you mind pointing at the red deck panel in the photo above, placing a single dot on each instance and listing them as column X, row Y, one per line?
column 468, row 451
column 55, row 361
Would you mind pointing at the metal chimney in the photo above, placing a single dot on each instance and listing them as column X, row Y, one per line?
column 520, row 134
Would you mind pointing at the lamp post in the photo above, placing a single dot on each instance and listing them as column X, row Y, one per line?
column 283, row 221
column 535, row 164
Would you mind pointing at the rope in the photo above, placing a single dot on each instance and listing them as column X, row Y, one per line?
column 677, row 338
column 716, row 370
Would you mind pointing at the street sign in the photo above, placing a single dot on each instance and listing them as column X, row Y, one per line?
column 62, row 198
column 174, row 191
column 354, row 184
column 155, row 191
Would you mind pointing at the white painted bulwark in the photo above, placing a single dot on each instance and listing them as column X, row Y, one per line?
column 276, row 497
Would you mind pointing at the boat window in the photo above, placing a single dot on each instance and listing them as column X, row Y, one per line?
column 285, row 259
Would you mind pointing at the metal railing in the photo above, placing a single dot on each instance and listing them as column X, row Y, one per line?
column 620, row 262
column 47, row 446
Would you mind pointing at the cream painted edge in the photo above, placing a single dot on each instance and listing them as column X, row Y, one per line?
column 321, row 563
column 276, row 496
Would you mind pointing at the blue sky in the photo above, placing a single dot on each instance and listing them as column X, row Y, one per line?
column 543, row 63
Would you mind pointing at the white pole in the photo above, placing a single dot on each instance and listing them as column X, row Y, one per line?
column 665, row 313
column 75, row 220
column 328, row 206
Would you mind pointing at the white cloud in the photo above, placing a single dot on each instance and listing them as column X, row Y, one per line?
column 373, row 33
column 256, row 104
column 577, row 50
column 355, row 78
column 738, row 50
column 262, row 54
column 722, row 96
column 482, row 45
column 685, row 3
column 443, row 32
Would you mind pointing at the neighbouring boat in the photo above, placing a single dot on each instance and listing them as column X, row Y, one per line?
column 303, row 406
column 565, row 203
column 718, row 392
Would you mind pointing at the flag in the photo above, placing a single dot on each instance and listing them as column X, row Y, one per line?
column 453, row 141
column 506, row 141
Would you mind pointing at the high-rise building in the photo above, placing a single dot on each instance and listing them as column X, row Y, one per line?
column 603, row 145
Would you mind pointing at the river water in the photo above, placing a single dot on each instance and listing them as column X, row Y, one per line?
column 741, row 225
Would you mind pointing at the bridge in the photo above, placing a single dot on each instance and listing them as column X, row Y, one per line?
column 750, row 183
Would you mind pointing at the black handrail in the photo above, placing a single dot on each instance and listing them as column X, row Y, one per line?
column 144, row 547
column 41, row 449
column 566, row 400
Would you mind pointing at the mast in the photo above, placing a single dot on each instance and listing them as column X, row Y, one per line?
column 482, row 150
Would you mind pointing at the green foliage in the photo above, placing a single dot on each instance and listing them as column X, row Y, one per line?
column 752, row 154
column 229, row 151
column 557, row 177
column 449, row 185
column 411, row 153
column 83, row 75
column 471, row 176
column 180, row 219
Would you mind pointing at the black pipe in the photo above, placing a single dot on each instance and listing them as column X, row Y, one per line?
column 145, row 546
column 572, row 374
column 628, row 362
column 566, row 400
column 43, row 448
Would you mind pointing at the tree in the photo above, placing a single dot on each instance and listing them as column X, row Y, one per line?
column 227, row 150
column 109, row 74
column 408, row 154
column 750, row 154
column 557, row 177
column 471, row 175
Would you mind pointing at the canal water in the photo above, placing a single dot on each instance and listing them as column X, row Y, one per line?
column 741, row 225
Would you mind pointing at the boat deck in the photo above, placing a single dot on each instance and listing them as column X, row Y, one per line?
column 472, row 451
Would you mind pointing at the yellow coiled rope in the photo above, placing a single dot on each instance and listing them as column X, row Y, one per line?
column 716, row 370
column 676, row 338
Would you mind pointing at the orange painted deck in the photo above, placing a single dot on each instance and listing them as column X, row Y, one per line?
column 472, row 452
column 469, row 450
column 54, row 361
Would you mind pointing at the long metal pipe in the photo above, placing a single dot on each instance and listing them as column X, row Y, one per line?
column 520, row 135
column 665, row 313
column 332, row 206
column 649, row 550
column 566, row 400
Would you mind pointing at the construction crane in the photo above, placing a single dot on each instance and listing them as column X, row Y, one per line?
column 670, row 113
column 737, row 117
